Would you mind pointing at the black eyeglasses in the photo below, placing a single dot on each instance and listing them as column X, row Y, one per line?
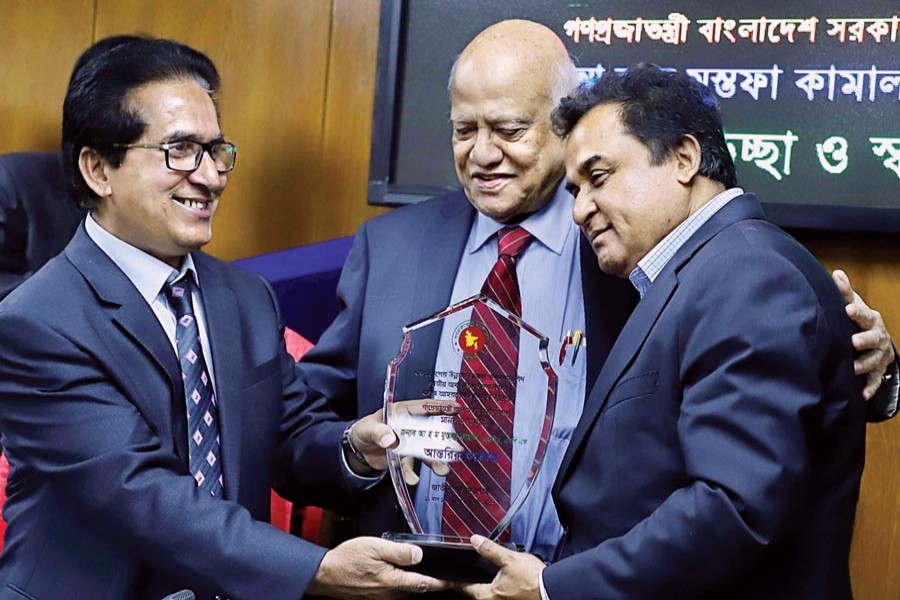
column 185, row 156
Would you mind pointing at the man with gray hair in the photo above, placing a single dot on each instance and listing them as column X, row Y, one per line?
column 417, row 260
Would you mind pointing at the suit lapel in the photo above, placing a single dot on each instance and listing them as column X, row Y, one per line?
column 608, row 301
column 623, row 351
column 445, row 239
column 127, row 310
column 221, row 308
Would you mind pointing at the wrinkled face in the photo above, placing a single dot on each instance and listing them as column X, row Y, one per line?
column 507, row 157
column 623, row 203
column 163, row 212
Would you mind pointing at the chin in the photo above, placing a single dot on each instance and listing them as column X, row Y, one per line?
column 496, row 208
column 613, row 267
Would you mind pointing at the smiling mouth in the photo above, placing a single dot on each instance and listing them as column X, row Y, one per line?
column 198, row 207
column 198, row 204
column 594, row 235
column 490, row 181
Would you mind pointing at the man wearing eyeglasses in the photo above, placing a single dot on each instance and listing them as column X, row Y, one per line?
column 146, row 399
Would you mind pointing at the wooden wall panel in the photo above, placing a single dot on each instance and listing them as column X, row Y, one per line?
column 40, row 45
column 873, row 264
column 348, row 120
column 272, row 56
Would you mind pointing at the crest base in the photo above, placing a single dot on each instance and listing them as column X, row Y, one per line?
column 450, row 559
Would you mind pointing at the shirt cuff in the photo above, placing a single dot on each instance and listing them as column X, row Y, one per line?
column 357, row 482
column 544, row 595
column 893, row 380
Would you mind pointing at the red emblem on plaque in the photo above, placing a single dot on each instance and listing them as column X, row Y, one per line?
column 472, row 339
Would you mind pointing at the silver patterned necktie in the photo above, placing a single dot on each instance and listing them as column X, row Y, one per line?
column 202, row 418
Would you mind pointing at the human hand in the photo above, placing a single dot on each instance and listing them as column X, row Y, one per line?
column 873, row 343
column 366, row 567
column 371, row 436
column 518, row 578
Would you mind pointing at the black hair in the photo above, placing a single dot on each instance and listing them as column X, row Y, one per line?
column 96, row 113
column 100, row 47
column 658, row 108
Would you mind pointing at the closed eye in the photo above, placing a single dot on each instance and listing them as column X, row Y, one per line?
column 511, row 133
column 598, row 178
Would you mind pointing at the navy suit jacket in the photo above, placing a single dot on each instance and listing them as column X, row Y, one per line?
column 402, row 268
column 92, row 410
column 37, row 217
column 720, row 451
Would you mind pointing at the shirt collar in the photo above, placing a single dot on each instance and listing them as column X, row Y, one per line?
column 652, row 264
column 550, row 226
column 146, row 272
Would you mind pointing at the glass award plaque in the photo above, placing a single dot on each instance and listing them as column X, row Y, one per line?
column 475, row 430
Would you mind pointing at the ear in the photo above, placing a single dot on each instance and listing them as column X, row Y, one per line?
column 95, row 171
column 687, row 158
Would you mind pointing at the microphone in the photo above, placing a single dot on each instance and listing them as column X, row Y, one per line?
column 182, row 595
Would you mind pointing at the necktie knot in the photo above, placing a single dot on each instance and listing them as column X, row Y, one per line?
column 178, row 294
column 512, row 241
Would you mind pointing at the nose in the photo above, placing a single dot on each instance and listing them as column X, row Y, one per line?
column 583, row 210
column 485, row 152
column 206, row 174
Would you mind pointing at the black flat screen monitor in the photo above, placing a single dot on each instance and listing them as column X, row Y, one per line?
column 810, row 92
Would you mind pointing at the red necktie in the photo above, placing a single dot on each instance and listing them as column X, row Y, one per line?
column 477, row 491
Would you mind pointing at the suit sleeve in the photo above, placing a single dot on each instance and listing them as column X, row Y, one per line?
column 750, row 391
column 67, row 420
column 13, row 235
column 884, row 405
column 331, row 366
column 327, row 374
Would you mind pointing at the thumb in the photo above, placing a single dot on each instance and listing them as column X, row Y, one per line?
column 843, row 284
column 490, row 550
column 384, row 436
column 403, row 555
column 370, row 431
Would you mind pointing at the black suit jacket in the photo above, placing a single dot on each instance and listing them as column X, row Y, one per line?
column 37, row 215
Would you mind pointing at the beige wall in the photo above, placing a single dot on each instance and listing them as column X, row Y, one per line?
column 298, row 79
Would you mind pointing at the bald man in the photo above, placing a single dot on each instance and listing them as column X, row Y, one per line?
column 417, row 260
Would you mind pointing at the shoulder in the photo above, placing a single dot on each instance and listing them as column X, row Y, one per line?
column 57, row 284
column 433, row 210
column 758, row 262
column 756, row 247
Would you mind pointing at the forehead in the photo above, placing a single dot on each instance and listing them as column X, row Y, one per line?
column 179, row 105
column 499, row 89
column 599, row 133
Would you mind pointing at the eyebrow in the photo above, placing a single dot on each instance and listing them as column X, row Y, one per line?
column 586, row 164
column 188, row 136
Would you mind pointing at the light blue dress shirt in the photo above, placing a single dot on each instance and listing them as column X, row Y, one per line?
column 549, row 273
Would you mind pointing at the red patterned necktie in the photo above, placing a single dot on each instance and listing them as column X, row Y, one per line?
column 477, row 491
column 203, row 429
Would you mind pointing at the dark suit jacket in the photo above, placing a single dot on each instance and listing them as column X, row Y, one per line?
column 720, row 451
column 401, row 268
column 37, row 216
column 101, row 504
